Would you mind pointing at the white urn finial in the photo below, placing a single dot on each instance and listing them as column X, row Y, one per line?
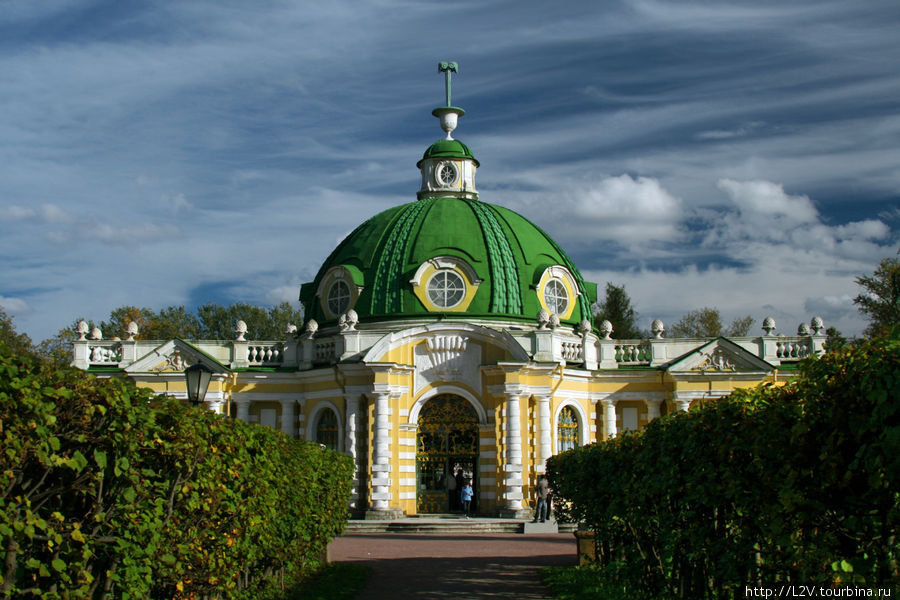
column 290, row 330
column 543, row 319
column 132, row 330
column 803, row 329
column 606, row 329
column 96, row 334
column 817, row 325
column 657, row 328
column 554, row 321
column 82, row 329
column 768, row 325
column 312, row 326
column 584, row 327
column 240, row 328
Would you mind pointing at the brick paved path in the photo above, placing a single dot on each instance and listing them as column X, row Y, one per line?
column 471, row 566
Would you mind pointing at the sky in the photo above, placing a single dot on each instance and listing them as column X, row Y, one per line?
column 737, row 155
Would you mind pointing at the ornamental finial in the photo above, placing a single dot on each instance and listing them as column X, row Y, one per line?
column 446, row 68
column 448, row 114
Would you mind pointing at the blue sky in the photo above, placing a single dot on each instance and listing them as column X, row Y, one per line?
column 738, row 155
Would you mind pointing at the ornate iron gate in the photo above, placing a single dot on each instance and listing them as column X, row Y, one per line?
column 446, row 442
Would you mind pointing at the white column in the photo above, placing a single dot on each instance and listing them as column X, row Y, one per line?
column 288, row 418
column 546, row 432
column 381, row 455
column 513, row 467
column 652, row 409
column 609, row 417
column 243, row 410
column 352, row 403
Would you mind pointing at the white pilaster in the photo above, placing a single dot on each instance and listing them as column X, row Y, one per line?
column 288, row 418
column 652, row 408
column 243, row 410
column 545, row 432
column 513, row 463
column 381, row 457
column 609, row 417
column 682, row 403
column 352, row 403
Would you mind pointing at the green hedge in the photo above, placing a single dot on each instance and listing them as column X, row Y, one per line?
column 779, row 484
column 109, row 492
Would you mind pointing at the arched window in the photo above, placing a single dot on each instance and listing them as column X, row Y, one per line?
column 327, row 429
column 567, row 429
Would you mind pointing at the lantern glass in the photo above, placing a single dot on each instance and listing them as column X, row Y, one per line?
column 197, row 377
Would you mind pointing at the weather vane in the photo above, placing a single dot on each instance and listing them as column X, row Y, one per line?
column 446, row 68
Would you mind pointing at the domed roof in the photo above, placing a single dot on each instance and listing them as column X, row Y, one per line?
column 448, row 149
column 503, row 254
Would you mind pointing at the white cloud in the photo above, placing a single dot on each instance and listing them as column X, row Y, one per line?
column 14, row 306
column 760, row 201
column 629, row 211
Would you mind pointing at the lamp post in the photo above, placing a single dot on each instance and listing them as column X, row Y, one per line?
column 197, row 377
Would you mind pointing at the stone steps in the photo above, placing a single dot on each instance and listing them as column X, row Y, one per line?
column 453, row 524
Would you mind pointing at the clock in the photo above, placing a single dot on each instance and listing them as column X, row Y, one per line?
column 446, row 174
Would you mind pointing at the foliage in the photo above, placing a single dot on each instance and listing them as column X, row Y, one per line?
column 217, row 322
column 796, row 483
column 338, row 581
column 618, row 310
column 707, row 322
column 108, row 491
column 880, row 301
column 18, row 342
column 834, row 340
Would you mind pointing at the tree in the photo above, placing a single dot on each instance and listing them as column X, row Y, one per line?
column 740, row 327
column 618, row 310
column 18, row 343
column 217, row 321
column 880, row 301
column 707, row 322
column 834, row 340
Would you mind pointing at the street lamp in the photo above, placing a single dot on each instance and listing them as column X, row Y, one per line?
column 197, row 376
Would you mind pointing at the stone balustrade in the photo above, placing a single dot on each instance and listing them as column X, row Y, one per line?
column 632, row 353
column 576, row 347
column 265, row 353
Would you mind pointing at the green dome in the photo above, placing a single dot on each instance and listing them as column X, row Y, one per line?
column 443, row 149
column 506, row 252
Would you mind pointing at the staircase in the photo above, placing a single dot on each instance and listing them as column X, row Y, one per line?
column 435, row 524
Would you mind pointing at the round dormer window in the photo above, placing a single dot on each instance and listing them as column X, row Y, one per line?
column 339, row 297
column 446, row 174
column 446, row 289
column 556, row 297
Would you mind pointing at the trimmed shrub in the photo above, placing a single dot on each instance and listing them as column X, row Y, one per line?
column 791, row 484
column 109, row 491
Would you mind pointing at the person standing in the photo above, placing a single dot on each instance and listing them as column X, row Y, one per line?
column 453, row 491
column 466, row 495
column 543, row 491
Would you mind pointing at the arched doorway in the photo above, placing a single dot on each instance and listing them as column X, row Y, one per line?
column 446, row 454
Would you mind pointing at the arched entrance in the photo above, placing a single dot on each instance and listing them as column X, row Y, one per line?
column 446, row 454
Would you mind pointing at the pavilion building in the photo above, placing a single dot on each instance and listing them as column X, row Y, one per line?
column 451, row 335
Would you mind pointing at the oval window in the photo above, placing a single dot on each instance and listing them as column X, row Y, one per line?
column 446, row 289
column 339, row 297
column 556, row 297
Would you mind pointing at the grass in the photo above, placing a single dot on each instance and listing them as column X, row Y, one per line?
column 337, row 581
column 583, row 583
